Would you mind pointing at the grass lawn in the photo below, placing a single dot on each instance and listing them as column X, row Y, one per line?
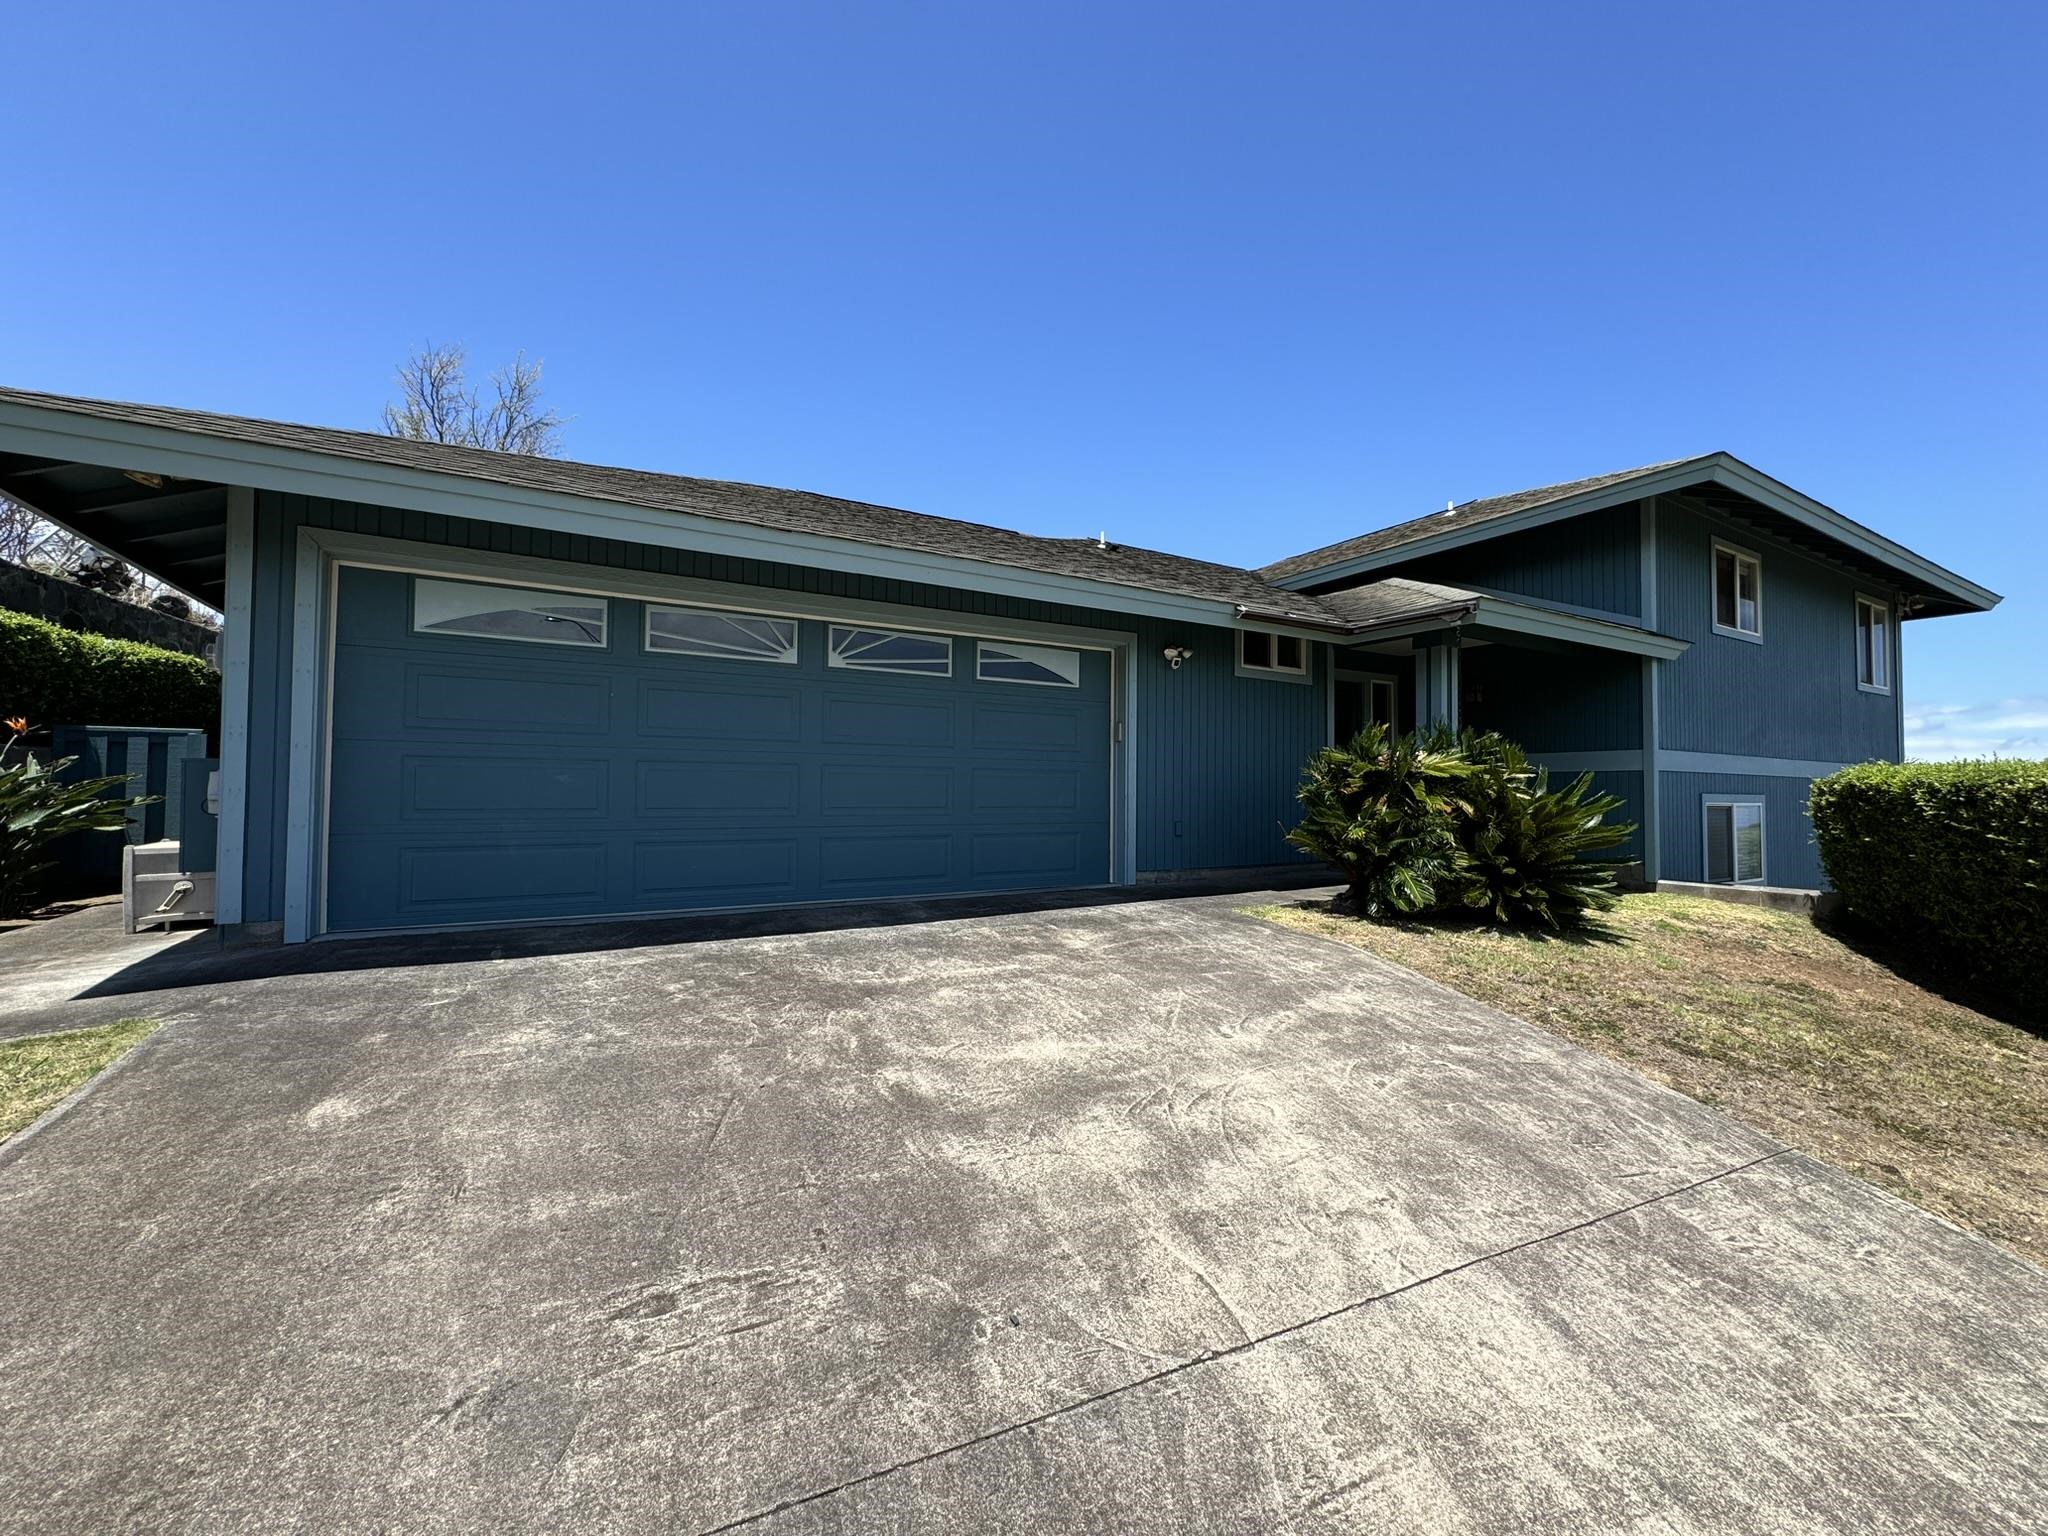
column 37, row 1071
column 1771, row 1019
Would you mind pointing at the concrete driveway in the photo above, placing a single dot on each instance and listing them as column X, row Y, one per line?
column 1143, row 1217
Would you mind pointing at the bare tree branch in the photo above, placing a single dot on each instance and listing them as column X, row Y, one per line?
column 437, row 404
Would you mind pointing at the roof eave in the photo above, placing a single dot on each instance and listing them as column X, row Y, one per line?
column 50, row 432
column 1721, row 468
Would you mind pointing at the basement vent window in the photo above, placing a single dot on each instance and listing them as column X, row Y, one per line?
column 1260, row 650
column 714, row 634
column 508, row 613
column 1040, row 665
column 1735, row 841
column 888, row 650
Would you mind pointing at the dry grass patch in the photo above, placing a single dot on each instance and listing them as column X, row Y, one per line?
column 39, row 1070
column 1783, row 1026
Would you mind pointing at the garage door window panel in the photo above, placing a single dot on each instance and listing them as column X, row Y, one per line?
column 888, row 650
column 522, row 614
column 715, row 634
column 1040, row 666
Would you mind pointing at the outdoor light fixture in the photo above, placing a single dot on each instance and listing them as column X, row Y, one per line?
column 1176, row 654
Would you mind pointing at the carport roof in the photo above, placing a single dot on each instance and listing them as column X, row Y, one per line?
column 174, row 528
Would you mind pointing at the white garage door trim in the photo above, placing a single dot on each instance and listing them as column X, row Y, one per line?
column 323, row 552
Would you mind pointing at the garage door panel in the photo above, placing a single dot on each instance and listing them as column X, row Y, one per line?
column 1014, row 728
column 1024, row 789
column 1049, row 856
column 681, row 872
column 464, row 875
column 717, row 788
column 890, row 789
column 505, row 701
column 721, row 713
column 470, row 786
column 903, row 859
column 873, row 718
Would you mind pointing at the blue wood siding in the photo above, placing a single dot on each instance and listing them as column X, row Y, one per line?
column 1577, row 700
column 1590, row 561
column 1792, row 696
column 1790, row 857
column 1218, row 756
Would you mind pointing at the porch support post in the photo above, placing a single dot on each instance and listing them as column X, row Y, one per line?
column 234, row 656
column 1436, row 685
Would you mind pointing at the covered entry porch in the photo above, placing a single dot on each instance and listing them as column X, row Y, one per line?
column 1579, row 694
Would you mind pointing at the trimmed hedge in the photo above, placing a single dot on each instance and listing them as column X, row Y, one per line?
column 1949, row 859
column 53, row 676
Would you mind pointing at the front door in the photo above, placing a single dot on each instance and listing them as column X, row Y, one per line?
column 1362, row 699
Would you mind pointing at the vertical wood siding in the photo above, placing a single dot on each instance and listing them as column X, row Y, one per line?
column 1580, row 700
column 1217, row 756
column 1795, row 695
column 1790, row 857
column 1589, row 561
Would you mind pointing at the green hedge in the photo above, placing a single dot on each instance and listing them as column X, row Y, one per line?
column 54, row 676
column 1951, row 860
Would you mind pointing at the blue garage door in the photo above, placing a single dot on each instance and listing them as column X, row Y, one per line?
column 513, row 753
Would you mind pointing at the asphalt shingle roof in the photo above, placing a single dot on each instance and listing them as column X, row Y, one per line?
column 1463, row 515
column 734, row 501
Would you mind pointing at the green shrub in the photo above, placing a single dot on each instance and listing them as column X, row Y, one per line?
column 1440, row 822
column 56, row 677
column 1950, row 860
column 1379, row 810
column 36, row 809
column 1527, row 850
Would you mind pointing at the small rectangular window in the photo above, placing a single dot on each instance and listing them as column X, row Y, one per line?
column 1045, row 666
column 1735, row 841
column 1738, row 592
column 507, row 613
column 888, row 650
column 714, row 633
column 1260, row 650
column 1873, row 645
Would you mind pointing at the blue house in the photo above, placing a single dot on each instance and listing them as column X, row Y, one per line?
column 473, row 688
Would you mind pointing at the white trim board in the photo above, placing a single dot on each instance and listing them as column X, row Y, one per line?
column 322, row 553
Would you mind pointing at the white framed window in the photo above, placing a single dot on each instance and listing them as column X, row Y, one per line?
column 1734, row 839
column 1738, row 592
column 486, row 612
column 1261, row 650
column 888, row 650
column 1044, row 666
column 713, row 632
column 1873, row 644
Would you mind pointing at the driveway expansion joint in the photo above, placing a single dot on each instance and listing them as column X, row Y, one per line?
column 1212, row 1357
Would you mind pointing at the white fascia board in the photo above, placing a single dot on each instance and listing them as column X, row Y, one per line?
column 83, row 439
column 1550, row 624
column 1722, row 469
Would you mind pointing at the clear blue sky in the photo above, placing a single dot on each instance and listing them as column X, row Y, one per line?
column 1232, row 281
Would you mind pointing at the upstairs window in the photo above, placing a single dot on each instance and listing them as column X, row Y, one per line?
column 1738, row 592
column 1735, row 841
column 1260, row 650
column 1873, row 645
